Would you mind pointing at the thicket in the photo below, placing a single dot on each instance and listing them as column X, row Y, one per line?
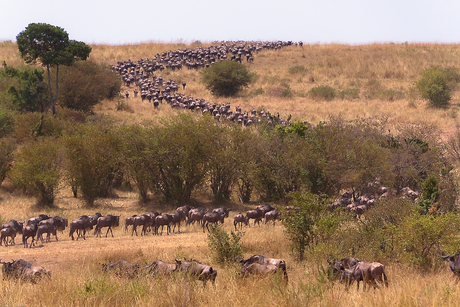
column 437, row 84
column 226, row 78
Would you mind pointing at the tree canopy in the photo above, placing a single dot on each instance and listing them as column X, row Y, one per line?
column 50, row 46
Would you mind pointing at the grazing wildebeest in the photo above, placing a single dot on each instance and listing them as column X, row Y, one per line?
column 337, row 267
column 212, row 218
column 196, row 215
column 454, row 264
column 21, row 269
column 122, row 268
column 106, row 221
column 160, row 267
column 5, row 233
column 163, row 220
column 48, row 229
column 240, row 219
column 256, row 215
column 27, row 232
column 368, row 272
column 198, row 270
column 279, row 263
column 82, row 223
column 272, row 216
column 129, row 221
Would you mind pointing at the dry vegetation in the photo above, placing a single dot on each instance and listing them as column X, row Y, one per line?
column 77, row 279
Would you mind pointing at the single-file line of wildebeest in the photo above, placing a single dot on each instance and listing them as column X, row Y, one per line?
column 157, row 89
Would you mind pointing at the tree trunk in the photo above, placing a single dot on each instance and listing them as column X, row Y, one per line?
column 49, row 89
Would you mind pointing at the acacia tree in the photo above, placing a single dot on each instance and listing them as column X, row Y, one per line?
column 50, row 46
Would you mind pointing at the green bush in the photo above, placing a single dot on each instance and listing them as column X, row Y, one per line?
column 85, row 84
column 287, row 92
column 298, row 69
column 7, row 148
column 226, row 78
column 224, row 247
column 93, row 161
column 37, row 169
column 322, row 92
column 433, row 86
column 257, row 92
column 349, row 94
column 6, row 122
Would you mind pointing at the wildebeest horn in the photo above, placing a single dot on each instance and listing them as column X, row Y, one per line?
column 178, row 261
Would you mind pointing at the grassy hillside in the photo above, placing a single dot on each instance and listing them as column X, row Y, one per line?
column 374, row 81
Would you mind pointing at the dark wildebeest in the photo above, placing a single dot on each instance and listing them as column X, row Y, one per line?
column 198, row 270
column 272, row 216
column 5, row 233
column 279, row 263
column 176, row 218
column 106, row 221
column 17, row 226
column 163, row 220
column 59, row 223
column 222, row 211
column 129, row 221
column 256, row 215
column 145, row 220
column 122, row 268
column 240, row 219
column 337, row 267
column 212, row 218
column 160, row 267
column 454, row 264
column 21, row 269
column 368, row 272
column 265, row 208
column 48, row 229
column 29, row 231
column 80, row 224
column 196, row 215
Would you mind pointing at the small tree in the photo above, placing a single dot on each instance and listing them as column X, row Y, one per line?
column 223, row 246
column 37, row 170
column 433, row 86
column 226, row 78
column 50, row 46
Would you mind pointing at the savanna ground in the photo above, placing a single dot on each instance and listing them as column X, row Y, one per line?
column 384, row 75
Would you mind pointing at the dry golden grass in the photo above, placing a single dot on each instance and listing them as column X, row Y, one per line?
column 77, row 279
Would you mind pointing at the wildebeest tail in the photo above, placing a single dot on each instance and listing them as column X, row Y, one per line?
column 385, row 279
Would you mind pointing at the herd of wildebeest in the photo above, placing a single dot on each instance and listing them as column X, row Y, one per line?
column 349, row 269
column 155, row 89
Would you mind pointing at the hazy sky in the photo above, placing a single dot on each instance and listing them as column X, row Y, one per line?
column 311, row 21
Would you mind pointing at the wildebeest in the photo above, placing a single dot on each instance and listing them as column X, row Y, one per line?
column 272, row 215
column 106, row 221
column 176, row 218
column 338, row 266
column 212, row 218
column 195, row 215
column 17, row 226
column 160, row 267
column 163, row 220
column 256, row 215
column 5, row 233
column 240, row 219
column 279, row 263
column 21, row 269
column 48, row 229
column 129, row 221
column 82, row 223
column 29, row 231
column 146, row 220
column 59, row 223
column 122, row 268
column 222, row 211
column 454, row 264
column 198, row 270
column 368, row 272
column 259, row 269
